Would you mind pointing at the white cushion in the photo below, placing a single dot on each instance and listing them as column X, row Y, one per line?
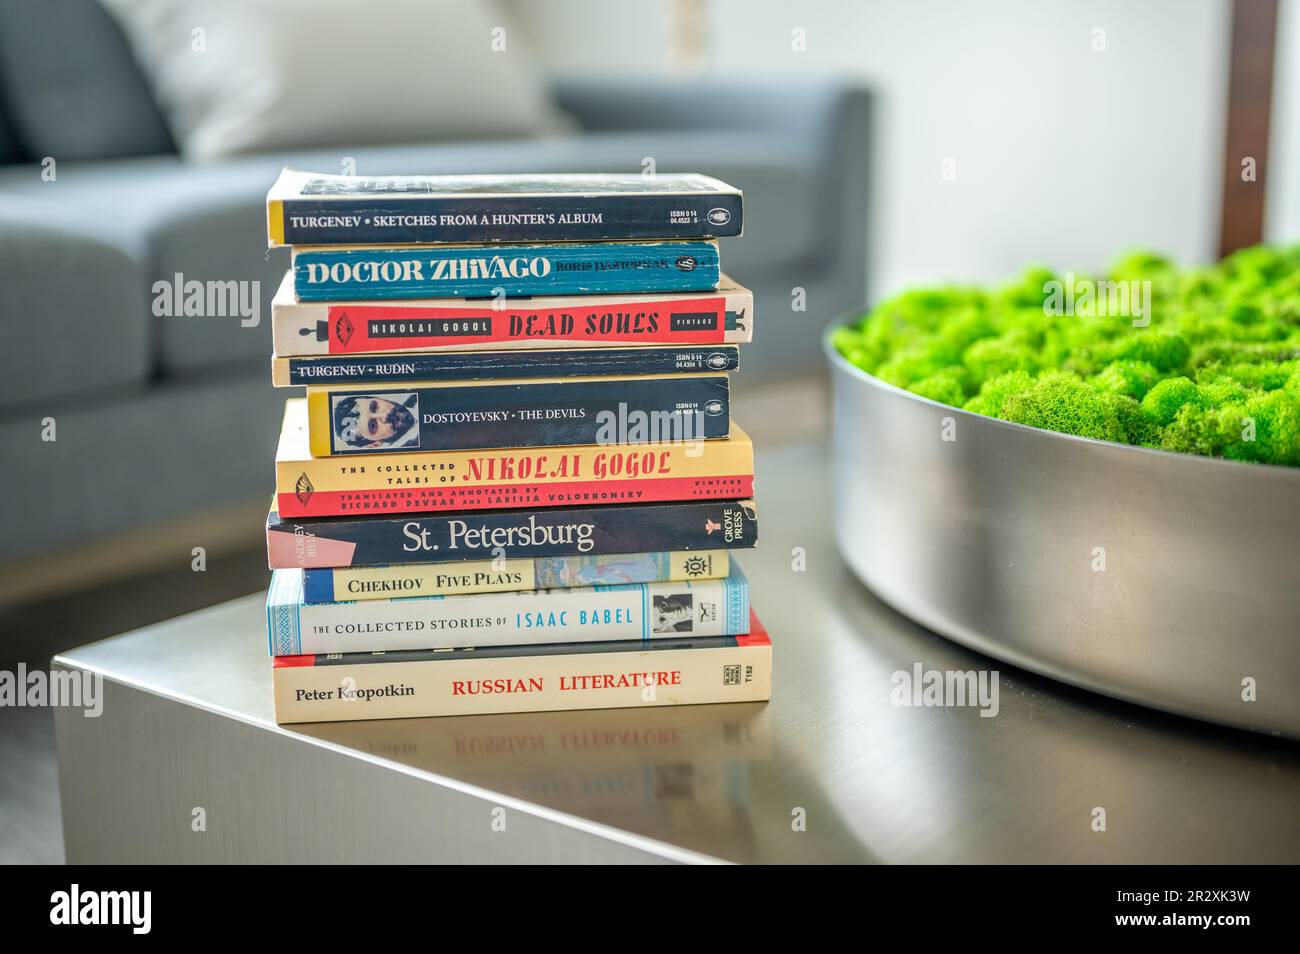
column 242, row 76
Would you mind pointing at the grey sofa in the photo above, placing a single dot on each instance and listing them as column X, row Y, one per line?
column 157, row 417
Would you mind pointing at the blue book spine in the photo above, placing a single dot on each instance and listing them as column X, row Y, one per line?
column 580, row 268
column 647, row 611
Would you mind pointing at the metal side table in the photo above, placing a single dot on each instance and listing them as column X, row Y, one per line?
column 834, row 769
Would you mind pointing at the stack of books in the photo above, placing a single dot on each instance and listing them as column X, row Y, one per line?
column 514, row 484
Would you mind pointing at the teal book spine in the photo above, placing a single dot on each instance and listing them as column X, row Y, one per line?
column 504, row 271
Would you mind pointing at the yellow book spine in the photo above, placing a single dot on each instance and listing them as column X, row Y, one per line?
column 414, row 482
column 274, row 223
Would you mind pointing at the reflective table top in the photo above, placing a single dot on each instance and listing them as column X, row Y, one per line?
column 835, row 768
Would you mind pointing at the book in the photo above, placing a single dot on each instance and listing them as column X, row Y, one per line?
column 326, row 273
column 441, row 415
column 494, row 365
column 611, row 675
column 309, row 208
column 588, row 530
column 463, row 324
column 502, row 575
column 427, row 481
column 521, row 618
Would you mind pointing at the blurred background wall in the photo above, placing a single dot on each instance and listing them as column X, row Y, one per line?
column 1076, row 130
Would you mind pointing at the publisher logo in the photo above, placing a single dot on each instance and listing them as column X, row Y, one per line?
column 698, row 565
column 344, row 328
column 687, row 263
column 717, row 360
column 713, row 408
column 719, row 216
column 303, row 489
column 693, row 321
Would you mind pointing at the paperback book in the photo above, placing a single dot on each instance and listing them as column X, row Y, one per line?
column 324, row 273
column 523, row 618
column 428, row 481
column 501, row 575
column 583, row 531
column 309, row 208
column 495, row 365
column 352, row 419
column 463, row 324
column 608, row 675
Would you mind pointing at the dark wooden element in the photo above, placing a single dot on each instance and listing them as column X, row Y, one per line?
column 1250, row 101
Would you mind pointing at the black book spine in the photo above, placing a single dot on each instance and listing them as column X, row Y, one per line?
column 535, row 414
column 561, row 531
column 445, row 219
column 486, row 365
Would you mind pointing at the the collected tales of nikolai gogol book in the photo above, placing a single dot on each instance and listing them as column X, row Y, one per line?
column 463, row 522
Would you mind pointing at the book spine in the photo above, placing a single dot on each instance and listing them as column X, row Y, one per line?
column 495, row 479
column 313, row 689
column 324, row 274
column 574, row 615
column 655, row 410
column 330, row 585
column 487, row 365
column 511, row 534
column 318, row 328
column 418, row 220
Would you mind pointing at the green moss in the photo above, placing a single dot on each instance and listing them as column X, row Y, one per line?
column 1212, row 367
column 1061, row 401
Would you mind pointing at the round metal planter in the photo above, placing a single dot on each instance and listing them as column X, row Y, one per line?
column 1164, row 579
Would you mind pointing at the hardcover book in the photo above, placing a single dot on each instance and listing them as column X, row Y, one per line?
column 462, row 324
column 610, row 675
column 493, row 365
column 570, row 615
column 425, row 481
column 590, row 530
column 426, row 416
column 501, row 575
column 308, row 208
column 325, row 273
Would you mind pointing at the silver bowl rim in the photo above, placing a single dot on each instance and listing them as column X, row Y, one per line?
column 838, row 361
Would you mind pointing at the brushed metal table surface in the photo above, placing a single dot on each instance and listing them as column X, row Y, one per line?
column 188, row 722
